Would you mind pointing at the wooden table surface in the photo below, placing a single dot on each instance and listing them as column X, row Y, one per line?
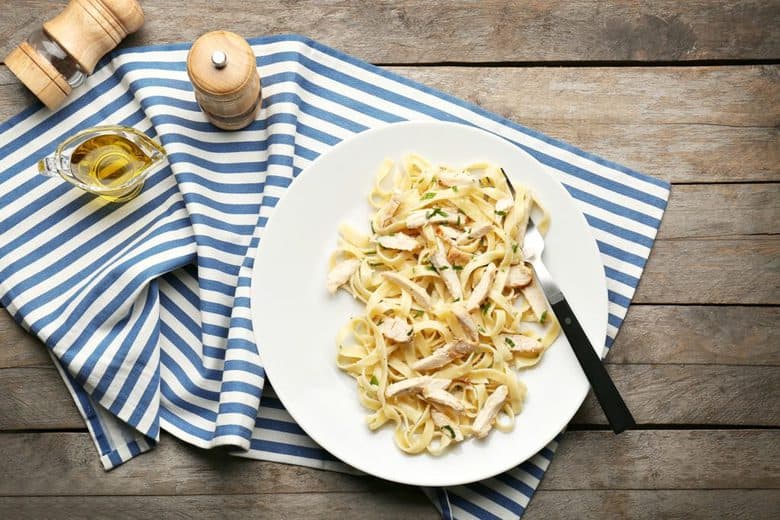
column 688, row 94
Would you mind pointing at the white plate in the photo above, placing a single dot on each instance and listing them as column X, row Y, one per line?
column 296, row 320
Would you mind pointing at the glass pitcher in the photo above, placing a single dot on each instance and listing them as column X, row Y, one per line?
column 109, row 161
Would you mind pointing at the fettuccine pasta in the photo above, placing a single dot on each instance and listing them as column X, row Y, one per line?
column 451, row 309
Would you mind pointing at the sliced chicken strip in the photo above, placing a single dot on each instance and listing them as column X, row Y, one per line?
column 448, row 232
column 407, row 385
column 484, row 420
column 418, row 293
column 482, row 288
column 445, row 270
column 519, row 276
column 385, row 214
column 523, row 345
column 396, row 329
column 340, row 273
column 476, row 232
column 421, row 217
column 458, row 257
column 442, row 397
column 399, row 241
column 443, row 355
column 536, row 299
column 444, row 423
column 463, row 317
column 416, row 384
column 505, row 204
column 456, row 179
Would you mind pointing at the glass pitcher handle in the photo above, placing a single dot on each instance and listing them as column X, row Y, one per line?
column 53, row 165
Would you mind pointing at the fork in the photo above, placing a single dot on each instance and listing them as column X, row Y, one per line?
column 618, row 414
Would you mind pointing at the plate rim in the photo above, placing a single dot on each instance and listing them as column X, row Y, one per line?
column 366, row 134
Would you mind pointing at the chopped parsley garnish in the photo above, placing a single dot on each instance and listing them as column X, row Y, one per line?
column 514, row 247
column 428, row 195
column 481, row 329
column 443, row 268
column 447, row 428
column 543, row 317
column 417, row 313
column 455, row 189
column 410, row 332
column 457, row 267
column 380, row 321
column 374, row 264
column 436, row 211
column 431, row 267
column 539, row 340
column 461, row 211
column 374, row 381
column 509, row 341
column 485, row 307
column 501, row 213
column 456, row 300
column 371, row 222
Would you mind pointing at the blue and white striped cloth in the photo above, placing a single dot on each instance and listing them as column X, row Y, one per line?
column 145, row 305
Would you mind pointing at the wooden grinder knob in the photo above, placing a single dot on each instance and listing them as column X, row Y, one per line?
column 223, row 71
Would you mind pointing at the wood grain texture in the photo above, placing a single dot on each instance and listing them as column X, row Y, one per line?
column 743, row 270
column 694, row 334
column 35, row 398
column 743, row 504
column 589, row 504
column 493, row 30
column 695, row 124
column 65, row 464
column 403, row 503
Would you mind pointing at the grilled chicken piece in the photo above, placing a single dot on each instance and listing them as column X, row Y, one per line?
column 476, row 232
column 536, row 299
column 523, row 345
column 416, row 384
column 396, row 329
column 505, row 204
column 399, row 241
column 442, row 397
column 444, row 423
column 407, row 385
column 484, row 420
column 448, row 232
column 519, row 276
column 445, row 270
column 421, row 217
column 456, row 179
column 386, row 213
column 463, row 317
column 443, row 355
column 480, row 291
column 457, row 256
column 418, row 293
column 341, row 273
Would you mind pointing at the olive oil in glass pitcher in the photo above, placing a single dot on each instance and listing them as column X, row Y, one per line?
column 109, row 161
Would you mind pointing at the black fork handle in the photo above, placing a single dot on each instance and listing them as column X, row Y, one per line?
column 618, row 414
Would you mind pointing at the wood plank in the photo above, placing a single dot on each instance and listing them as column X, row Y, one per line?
column 65, row 464
column 651, row 334
column 743, row 504
column 746, row 504
column 696, row 124
column 402, row 503
column 494, row 30
column 36, row 399
column 666, row 459
column 717, row 211
column 654, row 334
column 723, row 271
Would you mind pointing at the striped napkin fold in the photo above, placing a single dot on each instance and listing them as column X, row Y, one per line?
column 144, row 306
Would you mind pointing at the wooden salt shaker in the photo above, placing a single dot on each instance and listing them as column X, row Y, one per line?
column 58, row 57
column 222, row 69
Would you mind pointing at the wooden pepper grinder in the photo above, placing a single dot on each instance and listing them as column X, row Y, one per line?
column 223, row 71
column 58, row 57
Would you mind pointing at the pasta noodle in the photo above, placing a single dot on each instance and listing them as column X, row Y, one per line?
column 451, row 309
